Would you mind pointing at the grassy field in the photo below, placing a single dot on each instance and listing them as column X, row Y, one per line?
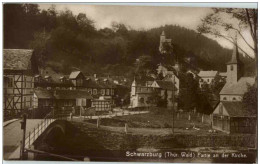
column 161, row 122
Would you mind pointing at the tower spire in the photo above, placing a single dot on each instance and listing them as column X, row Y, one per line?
column 235, row 54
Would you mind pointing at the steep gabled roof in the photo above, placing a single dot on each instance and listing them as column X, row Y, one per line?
column 235, row 56
column 238, row 88
column 235, row 109
column 17, row 59
column 207, row 73
column 74, row 74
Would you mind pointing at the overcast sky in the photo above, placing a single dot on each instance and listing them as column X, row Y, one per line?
column 142, row 17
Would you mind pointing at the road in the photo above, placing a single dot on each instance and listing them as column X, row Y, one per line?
column 13, row 134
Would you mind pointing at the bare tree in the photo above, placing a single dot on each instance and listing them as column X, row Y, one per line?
column 223, row 21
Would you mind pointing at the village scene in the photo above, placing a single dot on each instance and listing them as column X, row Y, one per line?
column 72, row 98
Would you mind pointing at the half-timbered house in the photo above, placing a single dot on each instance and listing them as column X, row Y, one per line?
column 19, row 69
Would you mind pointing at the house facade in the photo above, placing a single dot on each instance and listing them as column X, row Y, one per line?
column 141, row 96
column 62, row 101
column 146, row 96
column 230, row 117
column 19, row 69
column 207, row 77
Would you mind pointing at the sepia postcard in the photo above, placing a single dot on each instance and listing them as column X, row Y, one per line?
column 130, row 83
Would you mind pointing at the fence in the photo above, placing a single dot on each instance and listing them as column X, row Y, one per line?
column 197, row 117
column 33, row 135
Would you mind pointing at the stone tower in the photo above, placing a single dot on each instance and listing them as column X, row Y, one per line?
column 234, row 66
column 162, row 40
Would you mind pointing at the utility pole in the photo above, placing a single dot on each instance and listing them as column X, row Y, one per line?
column 173, row 102
column 23, row 127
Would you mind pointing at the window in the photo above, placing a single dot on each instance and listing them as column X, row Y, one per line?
column 84, row 102
column 112, row 91
column 103, row 91
column 208, row 80
column 107, row 92
column 90, row 91
column 234, row 99
column 78, row 102
column 94, row 91
column 10, row 82
column 231, row 68
column 224, row 98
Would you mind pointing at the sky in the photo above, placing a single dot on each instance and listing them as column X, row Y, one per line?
column 145, row 17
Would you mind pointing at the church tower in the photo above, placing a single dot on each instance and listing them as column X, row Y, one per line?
column 162, row 40
column 234, row 66
column 133, row 88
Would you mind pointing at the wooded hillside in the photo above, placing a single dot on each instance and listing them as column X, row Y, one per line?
column 64, row 41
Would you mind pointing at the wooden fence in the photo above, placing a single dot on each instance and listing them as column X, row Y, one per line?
column 197, row 117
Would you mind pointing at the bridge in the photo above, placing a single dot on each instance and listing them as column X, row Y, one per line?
column 37, row 128
column 14, row 148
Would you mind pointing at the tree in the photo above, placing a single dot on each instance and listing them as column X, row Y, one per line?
column 188, row 92
column 41, row 47
column 250, row 99
column 85, row 24
column 20, row 23
column 217, row 84
column 143, row 65
column 224, row 21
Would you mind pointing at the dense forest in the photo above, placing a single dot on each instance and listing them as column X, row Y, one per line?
column 63, row 41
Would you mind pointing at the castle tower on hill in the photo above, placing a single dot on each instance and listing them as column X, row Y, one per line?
column 163, row 40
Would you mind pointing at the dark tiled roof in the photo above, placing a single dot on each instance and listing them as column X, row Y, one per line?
column 71, row 94
column 238, row 88
column 235, row 109
column 43, row 94
column 17, row 59
column 100, row 83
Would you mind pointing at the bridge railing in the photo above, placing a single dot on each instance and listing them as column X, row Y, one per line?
column 40, row 128
column 37, row 131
